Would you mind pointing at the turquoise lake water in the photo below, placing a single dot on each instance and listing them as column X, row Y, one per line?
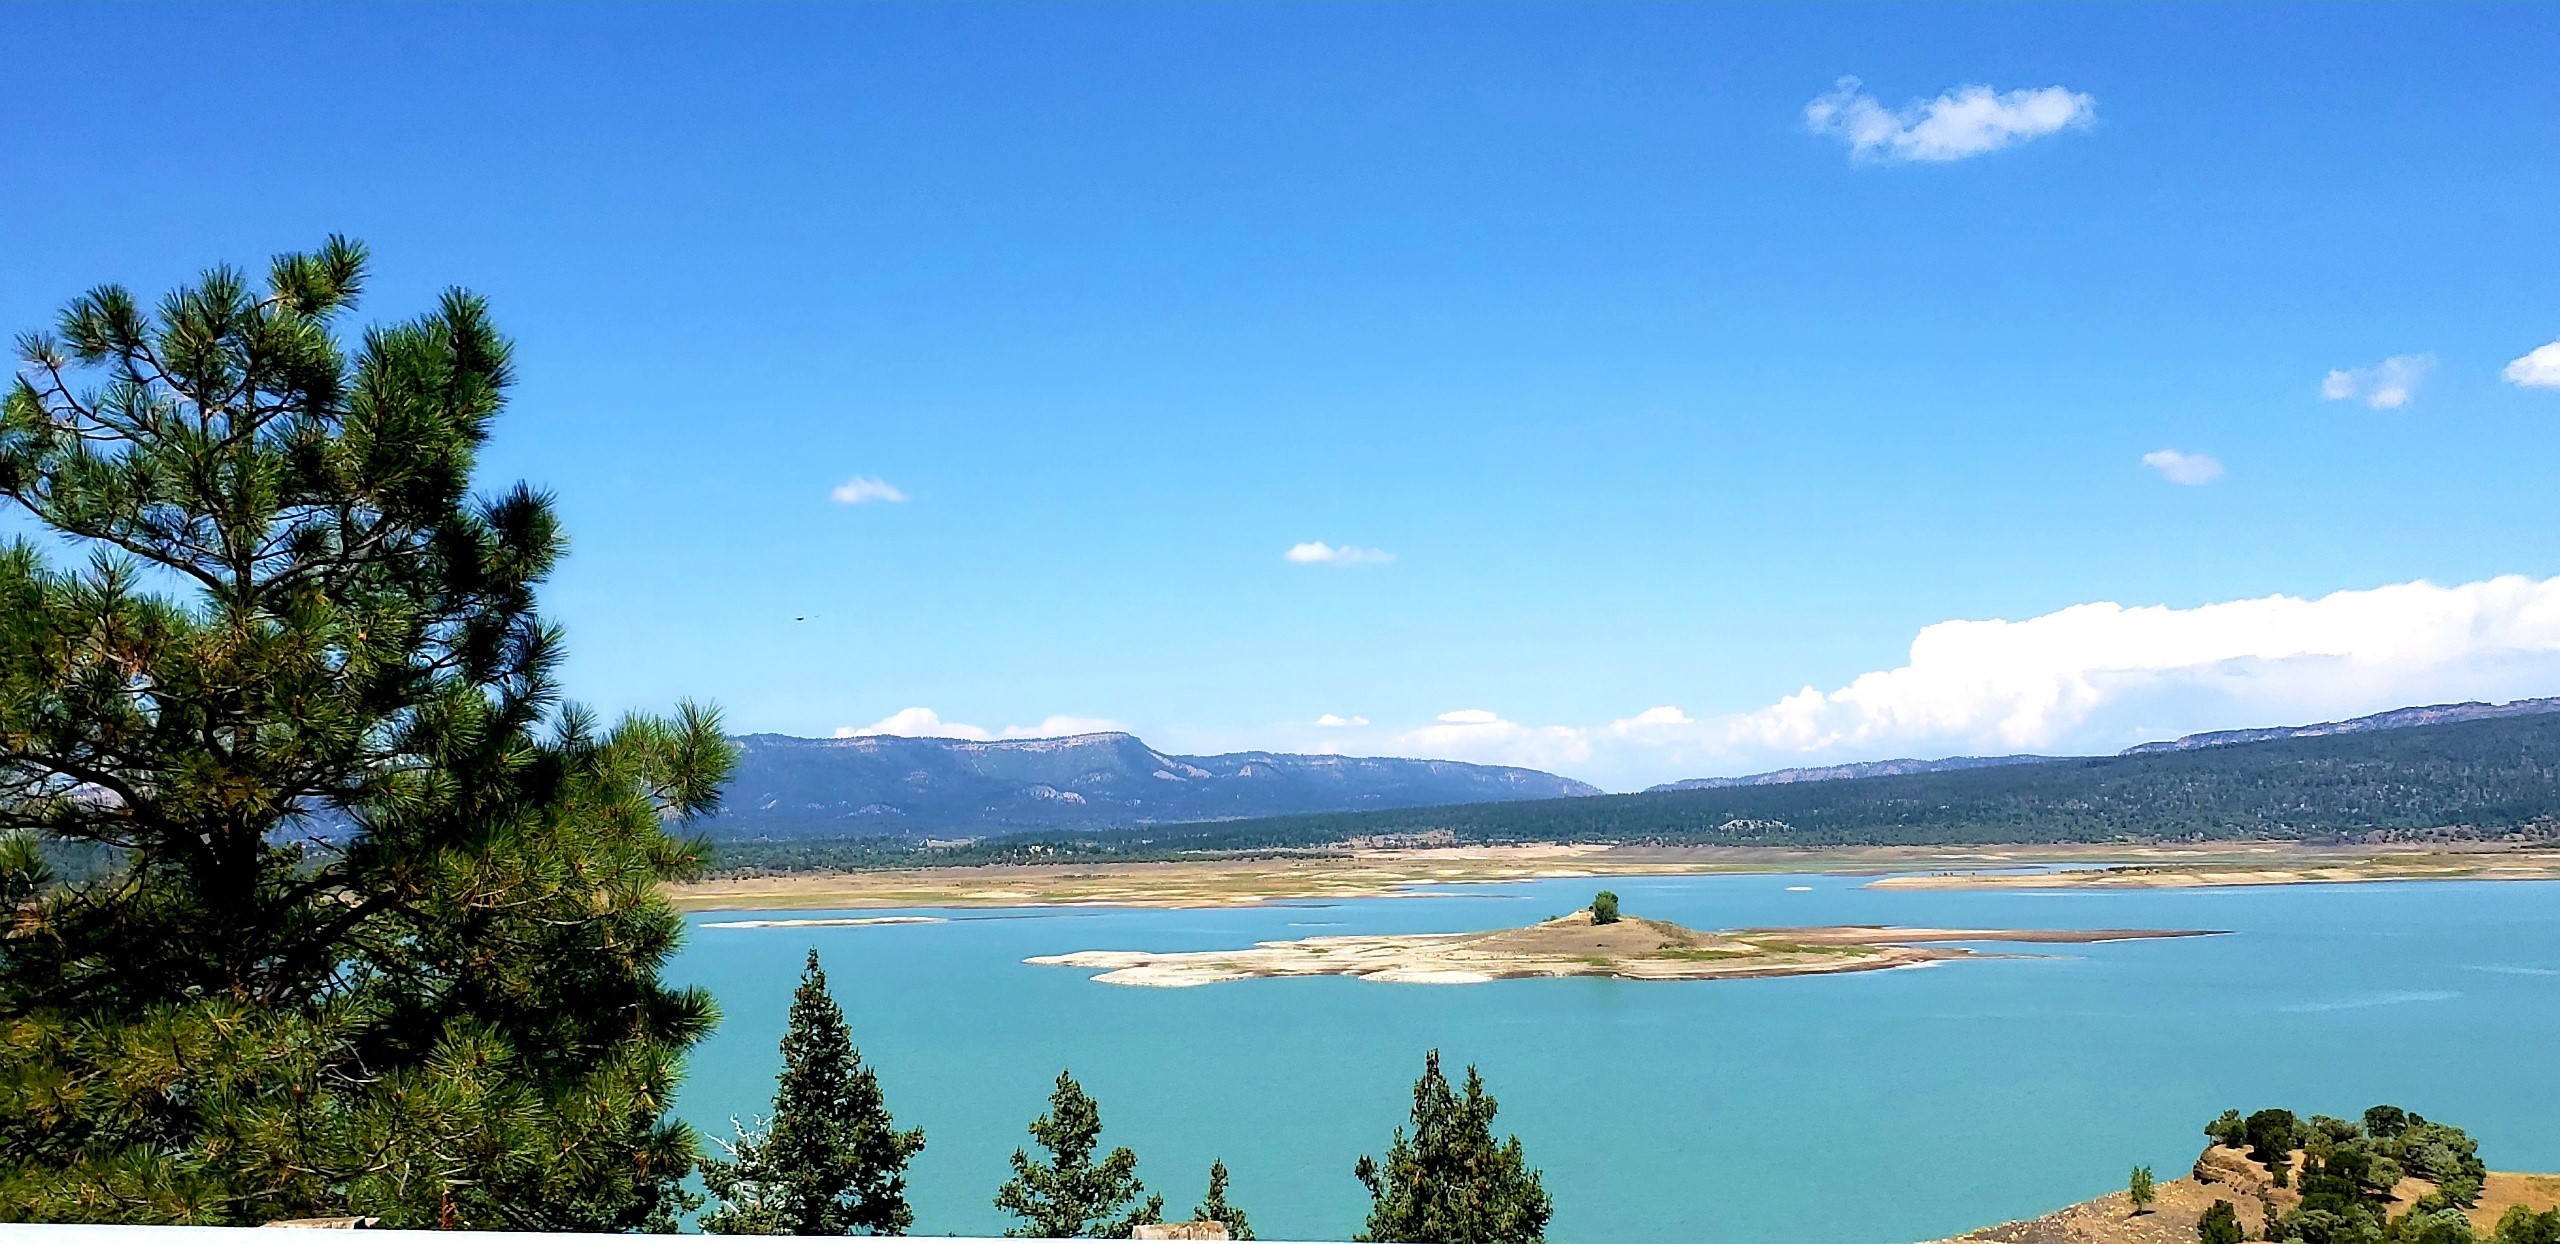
column 1864, row 1108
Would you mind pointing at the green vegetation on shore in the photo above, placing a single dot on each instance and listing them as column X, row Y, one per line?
column 2344, row 1175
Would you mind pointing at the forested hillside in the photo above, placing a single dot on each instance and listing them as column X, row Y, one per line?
column 2483, row 778
column 2490, row 775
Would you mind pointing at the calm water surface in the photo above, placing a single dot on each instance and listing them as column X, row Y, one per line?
column 1882, row 1106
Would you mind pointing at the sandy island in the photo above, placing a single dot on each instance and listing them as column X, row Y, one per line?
column 1630, row 949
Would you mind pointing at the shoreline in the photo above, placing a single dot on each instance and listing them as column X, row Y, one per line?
column 1414, row 872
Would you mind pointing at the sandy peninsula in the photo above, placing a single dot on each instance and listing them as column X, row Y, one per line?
column 2297, row 869
column 1358, row 873
column 1629, row 949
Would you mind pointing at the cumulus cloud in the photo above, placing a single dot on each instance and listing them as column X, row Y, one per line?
column 2030, row 684
column 1966, row 121
column 1337, row 721
column 863, row 489
column 2184, row 468
column 2387, row 385
column 1484, row 736
column 2538, row 369
column 1319, row 553
column 2090, row 678
column 923, row 723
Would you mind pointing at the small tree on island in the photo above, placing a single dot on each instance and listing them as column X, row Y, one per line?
column 1070, row 1194
column 2219, row 1225
column 2141, row 1190
column 832, row 1162
column 1215, row 1207
column 1604, row 908
column 1449, row 1182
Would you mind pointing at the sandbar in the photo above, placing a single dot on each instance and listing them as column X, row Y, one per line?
column 1628, row 949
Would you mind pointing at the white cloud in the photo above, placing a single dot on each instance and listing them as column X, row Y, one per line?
column 1338, row 721
column 2034, row 683
column 865, row 488
column 2538, row 369
column 2387, row 385
column 1319, row 553
column 915, row 723
column 924, row 723
column 2091, row 678
column 1483, row 736
column 1965, row 121
column 2184, row 468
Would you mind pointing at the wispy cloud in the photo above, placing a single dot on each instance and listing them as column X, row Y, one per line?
column 1319, row 553
column 863, row 489
column 923, row 723
column 2179, row 467
column 1336, row 721
column 2387, row 385
column 2538, row 369
column 1965, row 121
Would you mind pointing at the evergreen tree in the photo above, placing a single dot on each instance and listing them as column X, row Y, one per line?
column 2219, row 1225
column 1604, row 908
column 1070, row 1194
column 1214, row 1206
column 2140, row 1190
column 381, row 923
column 831, row 1162
column 1450, row 1182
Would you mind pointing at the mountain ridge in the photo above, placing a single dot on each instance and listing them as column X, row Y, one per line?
column 895, row 786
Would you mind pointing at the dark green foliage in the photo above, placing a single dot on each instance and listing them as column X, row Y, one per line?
column 2523, row 1226
column 1069, row 1194
column 831, row 1162
column 2348, row 1172
column 2273, row 1135
column 1604, row 908
column 2219, row 1225
column 1214, row 1207
column 2228, row 1131
column 1450, row 1182
column 2140, row 1189
column 2419, row 1226
column 370, row 924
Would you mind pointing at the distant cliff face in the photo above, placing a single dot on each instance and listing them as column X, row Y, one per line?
column 1862, row 769
column 887, row 786
column 2396, row 719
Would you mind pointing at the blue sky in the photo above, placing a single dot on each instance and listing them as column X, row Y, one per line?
column 1653, row 394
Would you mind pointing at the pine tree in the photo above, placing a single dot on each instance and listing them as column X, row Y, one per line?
column 1450, row 1183
column 382, row 927
column 1214, row 1206
column 2140, row 1190
column 831, row 1162
column 1070, row 1194
column 2220, row 1224
column 1604, row 908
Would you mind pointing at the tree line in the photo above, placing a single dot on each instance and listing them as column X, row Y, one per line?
column 831, row 1160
